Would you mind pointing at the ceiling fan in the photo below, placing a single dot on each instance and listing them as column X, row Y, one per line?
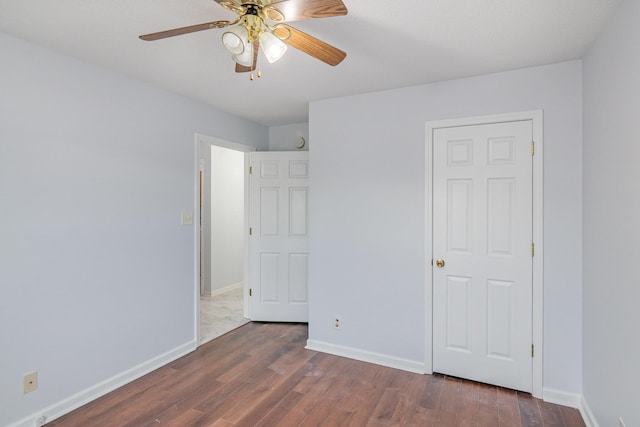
column 261, row 25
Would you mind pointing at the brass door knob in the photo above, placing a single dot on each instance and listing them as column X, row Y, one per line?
column 440, row 263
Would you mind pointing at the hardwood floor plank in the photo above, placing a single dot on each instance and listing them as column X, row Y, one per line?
column 313, row 386
column 411, row 387
column 337, row 417
column 529, row 411
column 422, row 417
column 430, row 398
column 268, row 354
column 319, row 412
column 268, row 393
column 571, row 417
column 253, row 370
column 174, row 417
column 292, row 361
column 220, row 422
column 487, row 413
column 365, row 393
column 227, row 398
column 184, row 392
column 448, row 405
column 278, row 396
column 281, row 394
column 232, row 343
column 241, row 408
column 550, row 414
column 386, row 407
column 314, row 372
column 274, row 416
column 102, row 410
column 467, row 404
column 508, row 409
column 261, row 375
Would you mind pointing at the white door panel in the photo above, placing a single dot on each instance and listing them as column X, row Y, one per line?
column 482, row 229
column 278, row 245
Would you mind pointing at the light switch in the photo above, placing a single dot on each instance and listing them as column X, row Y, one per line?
column 187, row 217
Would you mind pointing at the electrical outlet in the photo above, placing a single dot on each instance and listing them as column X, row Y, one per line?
column 41, row 421
column 30, row 382
column 337, row 322
column 622, row 424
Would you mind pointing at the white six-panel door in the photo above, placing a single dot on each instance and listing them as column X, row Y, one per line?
column 482, row 233
column 278, row 242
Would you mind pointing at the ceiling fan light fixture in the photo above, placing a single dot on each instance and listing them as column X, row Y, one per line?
column 272, row 47
column 246, row 57
column 234, row 39
column 263, row 22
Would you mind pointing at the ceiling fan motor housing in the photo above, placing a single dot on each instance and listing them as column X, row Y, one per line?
column 252, row 9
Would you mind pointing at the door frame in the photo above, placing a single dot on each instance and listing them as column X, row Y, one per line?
column 211, row 140
column 536, row 116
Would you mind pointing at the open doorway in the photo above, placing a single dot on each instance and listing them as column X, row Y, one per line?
column 222, row 302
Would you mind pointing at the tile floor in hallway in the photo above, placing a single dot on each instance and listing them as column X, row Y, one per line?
column 221, row 313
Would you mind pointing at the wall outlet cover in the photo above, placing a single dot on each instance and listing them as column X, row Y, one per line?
column 30, row 382
column 337, row 322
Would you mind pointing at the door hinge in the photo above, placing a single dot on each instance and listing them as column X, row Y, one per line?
column 250, row 231
column 532, row 350
column 533, row 148
column 533, row 249
column 250, row 292
column 250, row 170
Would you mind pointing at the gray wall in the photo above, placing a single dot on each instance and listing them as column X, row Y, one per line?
column 367, row 211
column 612, row 220
column 227, row 217
column 96, row 271
column 283, row 138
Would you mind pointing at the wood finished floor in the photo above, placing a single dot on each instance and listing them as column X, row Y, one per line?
column 261, row 375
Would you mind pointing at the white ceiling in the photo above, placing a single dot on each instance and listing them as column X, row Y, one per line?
column 389, row 44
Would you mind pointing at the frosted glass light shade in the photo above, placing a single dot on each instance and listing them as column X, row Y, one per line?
column 246, row 57
column 272, row 47
column 235, row 39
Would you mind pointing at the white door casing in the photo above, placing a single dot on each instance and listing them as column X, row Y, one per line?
column 278, row 244
column 484, row 306
column 203, row 144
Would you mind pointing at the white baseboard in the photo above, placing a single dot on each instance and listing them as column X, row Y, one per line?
column 587, row 415
column 67, row 405
column 559, row 397
column 367, row 356
column 573, row 400
column 226, row 289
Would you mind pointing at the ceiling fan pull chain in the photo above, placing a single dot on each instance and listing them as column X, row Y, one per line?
column 259, row 74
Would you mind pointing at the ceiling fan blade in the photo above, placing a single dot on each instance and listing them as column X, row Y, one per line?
column 243, row 68
column 309, row 44
column 295, row 10
column 184, row 30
